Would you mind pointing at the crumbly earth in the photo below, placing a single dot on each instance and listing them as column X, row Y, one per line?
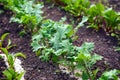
column 40, row 70
column 2, row 67
column 35, row 68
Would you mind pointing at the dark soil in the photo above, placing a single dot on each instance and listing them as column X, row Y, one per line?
column 56, row 13
column 39, row 70
column 35, row 68
column 104, row 44
column 115, row 4
column 2, row 67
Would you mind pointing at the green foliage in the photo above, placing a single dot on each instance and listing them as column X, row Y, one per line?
column 11, row 57
column 110, row 75
column 1, row 57
column 112, row 20
column 10, row 73
column 95, row 15
column 52, row 38
column 26, row 12
column 99, row 16
column 2, row 39
column 85, row 54
column 54, row 42
column 117, row 48
column 83, row 21
column 85, row 60
column 76, row 7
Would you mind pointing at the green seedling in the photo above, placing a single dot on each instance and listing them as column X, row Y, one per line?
column 76, row 7
column 50, row 39
column 2, row 39
column 54, row 42
column 10, row 73
column 95, row 15
column 25, row 12
column 85, row 60
column 110, row 75
column 112, row 20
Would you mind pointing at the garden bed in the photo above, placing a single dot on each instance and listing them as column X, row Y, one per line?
column 104, row 44
column 35, row 68
column 40, row 70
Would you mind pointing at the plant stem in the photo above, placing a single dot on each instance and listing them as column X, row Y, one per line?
column 87, row 70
